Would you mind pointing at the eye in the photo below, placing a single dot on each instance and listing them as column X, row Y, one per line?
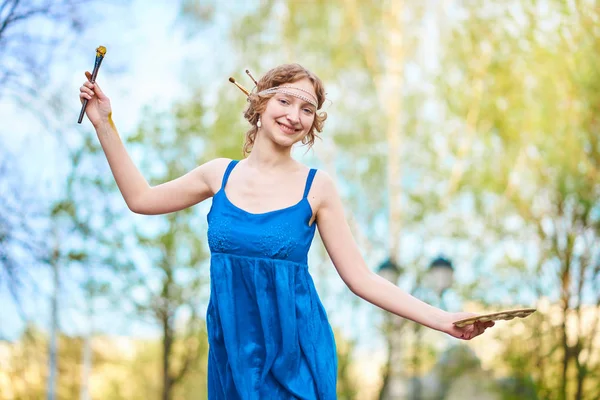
column 284, row 101
column 308, row 111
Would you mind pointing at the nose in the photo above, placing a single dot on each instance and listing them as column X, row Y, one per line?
column 294, row 116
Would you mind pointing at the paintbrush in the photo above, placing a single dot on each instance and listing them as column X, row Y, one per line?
column 100, row 52
column 243, row 89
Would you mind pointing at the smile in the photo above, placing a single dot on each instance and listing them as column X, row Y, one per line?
column 287, row 129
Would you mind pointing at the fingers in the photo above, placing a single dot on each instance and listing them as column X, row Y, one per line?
column 86, row 91
column 485, row 325
column 84, row 96
column 88, row 88
column 462, row 333
column 99, row 91
column 479, row 330
column 480, row 327
column 471, row 331
column 93, row 86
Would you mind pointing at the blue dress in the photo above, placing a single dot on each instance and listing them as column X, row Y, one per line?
column 268, row 332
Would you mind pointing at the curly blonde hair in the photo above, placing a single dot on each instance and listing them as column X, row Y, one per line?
column 278, row 76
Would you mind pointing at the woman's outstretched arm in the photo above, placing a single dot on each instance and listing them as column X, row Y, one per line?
column 185, row 191
column 348, row 261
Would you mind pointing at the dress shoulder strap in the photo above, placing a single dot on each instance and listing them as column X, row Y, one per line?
column 309, row 181
column 230, row 167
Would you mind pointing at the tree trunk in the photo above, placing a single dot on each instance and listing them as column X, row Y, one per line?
column 87, row 359
column 581, row 367
column 167, row 348
column 566, row 349
column 53, row 350
column 417, row 387
column 395, row 383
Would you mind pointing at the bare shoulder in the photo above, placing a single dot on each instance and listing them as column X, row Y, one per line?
column 323, row 182
column 212, row 172
column 217, row 165
column 324, row 191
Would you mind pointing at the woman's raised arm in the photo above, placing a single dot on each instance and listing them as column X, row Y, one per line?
column 185, row 191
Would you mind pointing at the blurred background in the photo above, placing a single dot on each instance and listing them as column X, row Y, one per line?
column 464, row 137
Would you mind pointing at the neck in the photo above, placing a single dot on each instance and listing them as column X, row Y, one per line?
column 266, row 154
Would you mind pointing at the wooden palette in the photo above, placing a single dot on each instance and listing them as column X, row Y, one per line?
column 502, row 315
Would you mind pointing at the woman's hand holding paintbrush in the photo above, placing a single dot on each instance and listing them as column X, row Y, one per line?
column 98, row 107
column 100, row 53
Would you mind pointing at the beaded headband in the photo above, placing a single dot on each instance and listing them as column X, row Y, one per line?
column 286, row 89
column 290, row 91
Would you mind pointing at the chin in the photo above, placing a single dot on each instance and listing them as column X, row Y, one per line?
column 285, row 141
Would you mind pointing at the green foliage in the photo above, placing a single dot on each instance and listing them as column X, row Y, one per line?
column 347, row 383
column 525, row 87
column 174, row 285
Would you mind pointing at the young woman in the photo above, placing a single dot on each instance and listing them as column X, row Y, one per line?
column 268, row 332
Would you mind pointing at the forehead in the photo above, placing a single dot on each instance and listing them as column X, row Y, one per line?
column 305, row 84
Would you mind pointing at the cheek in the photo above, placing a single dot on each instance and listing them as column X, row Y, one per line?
column 272, row 108
column 308, row 121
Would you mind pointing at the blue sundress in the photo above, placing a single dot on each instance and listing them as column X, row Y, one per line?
column 268, row 332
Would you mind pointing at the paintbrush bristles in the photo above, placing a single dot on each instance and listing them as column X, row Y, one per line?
column 251, row 77
column 243, row 89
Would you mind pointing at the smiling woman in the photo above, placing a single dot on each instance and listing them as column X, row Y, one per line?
column 295, row 89
column 268, row 332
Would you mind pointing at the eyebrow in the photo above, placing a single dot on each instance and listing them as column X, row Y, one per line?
column 304, row 102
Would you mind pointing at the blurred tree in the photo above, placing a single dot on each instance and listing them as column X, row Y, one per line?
column 82, row 239
column 522, row 78
column 27, row 53
column 173, row 284
column 133, row 371
column 24, row 67
column 20, row 243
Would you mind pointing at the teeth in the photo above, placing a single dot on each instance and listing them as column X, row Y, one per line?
column 285, row 128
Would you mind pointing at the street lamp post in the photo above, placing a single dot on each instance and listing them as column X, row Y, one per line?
column 394, row 382
column 441, row 277
column 389, row 270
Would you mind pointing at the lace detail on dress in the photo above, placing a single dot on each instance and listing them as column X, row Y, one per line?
column 220, row 235
column 278, row 240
